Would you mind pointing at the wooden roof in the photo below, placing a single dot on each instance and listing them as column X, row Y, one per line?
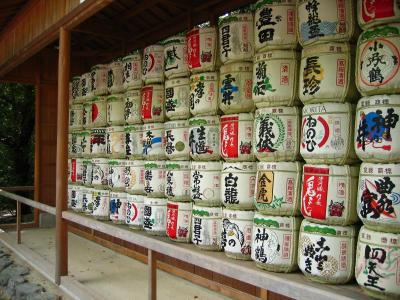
column 8, row 10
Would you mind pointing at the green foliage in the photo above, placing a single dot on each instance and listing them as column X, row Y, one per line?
column 17, row 119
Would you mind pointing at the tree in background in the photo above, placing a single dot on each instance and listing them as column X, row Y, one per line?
column 17, row 117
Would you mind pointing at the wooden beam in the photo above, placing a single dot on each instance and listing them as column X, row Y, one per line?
column 152, row 265
column 18, row 222
column 137, row 9
column 62, row 154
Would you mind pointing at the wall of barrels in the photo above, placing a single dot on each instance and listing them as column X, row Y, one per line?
column 247, row 138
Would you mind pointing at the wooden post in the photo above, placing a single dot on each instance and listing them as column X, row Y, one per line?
column 36, row 179
column 18, row 222
column 264, row 294
column 62, row 154
column 152, row 265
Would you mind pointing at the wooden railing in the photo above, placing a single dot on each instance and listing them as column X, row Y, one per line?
column 293, row 285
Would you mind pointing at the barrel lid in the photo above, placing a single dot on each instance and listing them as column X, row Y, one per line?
column 236, row 67
column 378, row 101
column 207, row 120
column 329, row 107
column 236, row 17
column 283, row 166
column 207, row 212
column 115, row 63
column 262, row 3
column 208, row 76
column 327, row 230
column 239, row 166
column 155, row 164
column 154, row 47
column 206, row 165
column 153, row 126
column 176, row 39
column 176, row 82
column 177, row 165
column 77, row 77
column 136, row 127
column 99, row 66
column 115, row 129
column 378, row 238
column 155, row 201
column 277, row 222
column 204, row 28
column 133, row 56
column 278, row 110
column 240, row 117
column 132, row 93
column 276, row 54
column 331, row 170
column 325, row 48
column 135, row 198
column 246, row 215
column 376, row 169
column 181, row 205
column 388, row 30
column 176, row 124
column 121, row 195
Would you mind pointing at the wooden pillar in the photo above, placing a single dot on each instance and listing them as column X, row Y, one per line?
column 36, row 179
column 62, row 154
column 18, row 222
column 152, row 265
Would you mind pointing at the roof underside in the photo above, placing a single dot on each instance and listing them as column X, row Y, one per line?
column 8, row 10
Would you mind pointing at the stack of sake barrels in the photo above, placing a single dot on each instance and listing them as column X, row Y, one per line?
column 327, row 237
column 377, row 144
column 236, row 50
column 276, row 137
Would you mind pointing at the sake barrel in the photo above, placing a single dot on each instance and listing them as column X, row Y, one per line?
column 154, row 178
column 177, row 180
column 69, row 191
column 155, row 216
column 153, row 64
column 98, row 144
column 116, row 174
column 329, row 194
column 78, row 170
column 133, row 105
column 177, row 93
column 202, row 49
column 152, row 109
column 133, row 141
column 99, row 111
column 76, row 198
column 274, row 242
column 87, row 172
column 134, row 177
column 69, row 144
column 175, row 57
column 377, row 63
column 73, row 171
column 204, row 94
column 115, row 110
column 69, row 162
column 87, row 200
column 235, row 83
column 83, row 140
column 132, row 76
column 179, row 219
column 176, row 136
column 116, row 141
column 205, row 183
column 275, row 25
column 77, row 144
column 326, row 252
column 270, row 86
column 87, row 115
column 115, row 77
column 85, row 86
column 373, row 13
column 237, row 137
column 204, row 138
column 325, row 21
column 277, row 189
column 326, row 74
column 237, row 185
column 236, row 37
column 276, row 133
column 101, row 204
column 75, row 117
column 206, row 227
column 98, row 76
column 236, row 233
column 74, row 146
column 377, row 129
column 70, row 100
column 153, row 144
column 118, row 204
column 134, row 211
column 376, row 269
column 327, row 133
column 378, row 198
column 75, row 89
column 100, row 172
